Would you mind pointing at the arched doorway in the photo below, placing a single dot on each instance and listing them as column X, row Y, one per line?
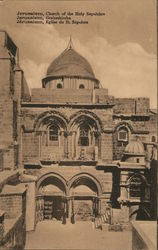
column 84, row 202
column 51, row 199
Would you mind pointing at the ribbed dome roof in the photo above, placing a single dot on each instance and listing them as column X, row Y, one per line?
column 135, row 148
column 70, row 63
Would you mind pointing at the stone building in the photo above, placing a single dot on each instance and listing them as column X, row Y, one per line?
column 79, row 152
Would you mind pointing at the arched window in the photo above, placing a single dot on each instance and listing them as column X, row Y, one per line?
column 83, row 137
column 136, row 187
column 53, row 133
column 59, row 86
column 122, row 136
column 81, row 86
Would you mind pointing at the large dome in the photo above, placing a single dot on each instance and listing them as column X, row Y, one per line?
column 70, row 64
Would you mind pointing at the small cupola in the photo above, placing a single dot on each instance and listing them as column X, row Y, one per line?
column 134, row 152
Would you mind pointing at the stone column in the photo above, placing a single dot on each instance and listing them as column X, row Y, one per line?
column 64, row 211
column 40, row 142
column 123, row 199
column 73, row 144
column 96, row 206
column 93, row 208
column 1, row 224
column 148, row 157
column 123, row 185
column 31, row 206
column 124, row 213
column 62, row 143
column 67, row 207
column 66, row 153
column 99, row 145
column 93, row 145
column 73, row 212
column 59, row 139
column 70, row 143
column 99, row 206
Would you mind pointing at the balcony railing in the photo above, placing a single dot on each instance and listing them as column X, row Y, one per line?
column 55, row 153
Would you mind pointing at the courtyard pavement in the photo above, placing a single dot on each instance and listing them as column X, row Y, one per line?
column 51, row 235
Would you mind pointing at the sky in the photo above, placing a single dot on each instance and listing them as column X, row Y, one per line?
column 120, row 46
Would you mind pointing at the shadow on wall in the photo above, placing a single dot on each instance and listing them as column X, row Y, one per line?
column 115, row 188
column 141, row 213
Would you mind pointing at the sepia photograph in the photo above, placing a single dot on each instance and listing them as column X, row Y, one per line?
column 78, row 125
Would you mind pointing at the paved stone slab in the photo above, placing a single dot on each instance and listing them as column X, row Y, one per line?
column 53, row 235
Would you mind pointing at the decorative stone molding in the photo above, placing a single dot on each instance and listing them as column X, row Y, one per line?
column 49, row 114
column 89, row 114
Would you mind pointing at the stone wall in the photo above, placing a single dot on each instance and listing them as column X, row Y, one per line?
column 144, row 235
column 13, row 205
column 6, row 114
column 105, row 179
column 70, row 83
column 10, row 96
column 14, row 236
column 31, row 114
column 131, row 105
column 83, row 210
column 71, row 95
column 111, row 150
column 106, row 147
column 32, row 141
column 30, row 206
column 30, row 147
column 61, row 96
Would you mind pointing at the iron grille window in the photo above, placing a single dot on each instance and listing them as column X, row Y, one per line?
column 136, row 189
column 53, row 133
column 83, row 139
column 122, row 135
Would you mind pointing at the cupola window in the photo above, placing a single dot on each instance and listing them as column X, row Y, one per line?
column 83, row 138
column 81, row 86
column 53, row 133
column 59, row 86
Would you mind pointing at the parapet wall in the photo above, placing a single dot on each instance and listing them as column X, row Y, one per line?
column 132, row 105
column 70, row 96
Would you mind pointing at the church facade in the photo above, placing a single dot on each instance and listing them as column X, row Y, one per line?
column 83, row 154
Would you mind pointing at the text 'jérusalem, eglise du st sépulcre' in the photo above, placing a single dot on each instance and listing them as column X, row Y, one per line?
column 51, row 17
